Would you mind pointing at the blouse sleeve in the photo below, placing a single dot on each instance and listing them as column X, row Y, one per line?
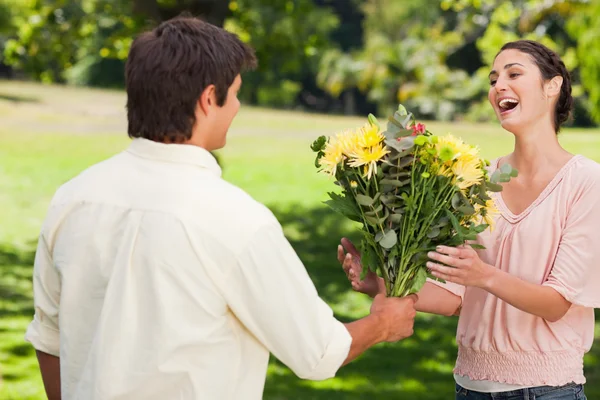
column 576, row 270
column 454, row 288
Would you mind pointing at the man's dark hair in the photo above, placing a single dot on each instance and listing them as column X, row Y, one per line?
column 169, row 67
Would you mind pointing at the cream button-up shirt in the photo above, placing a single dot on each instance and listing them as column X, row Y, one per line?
column 156, row 279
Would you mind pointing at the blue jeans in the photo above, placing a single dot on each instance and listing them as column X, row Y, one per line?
column 571, row 391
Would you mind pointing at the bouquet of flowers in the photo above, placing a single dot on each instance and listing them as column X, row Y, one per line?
column 411, row 191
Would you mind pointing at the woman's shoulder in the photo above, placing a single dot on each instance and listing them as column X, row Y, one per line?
column 584, row 178
column 585, row 171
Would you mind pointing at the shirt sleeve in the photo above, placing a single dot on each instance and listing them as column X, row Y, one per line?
column 576, row 270
column 271, row 293
column 454, row 288
column 43, row 332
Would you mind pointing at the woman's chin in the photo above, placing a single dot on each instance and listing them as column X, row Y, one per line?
column 510, row 122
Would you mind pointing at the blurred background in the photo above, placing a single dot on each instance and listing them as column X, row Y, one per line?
column 323, row 65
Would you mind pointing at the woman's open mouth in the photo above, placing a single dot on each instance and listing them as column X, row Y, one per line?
column 507, row 104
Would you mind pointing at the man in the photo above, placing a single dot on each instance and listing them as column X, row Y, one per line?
column 156, row 279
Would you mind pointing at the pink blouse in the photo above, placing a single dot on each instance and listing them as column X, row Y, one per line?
column 555, row 243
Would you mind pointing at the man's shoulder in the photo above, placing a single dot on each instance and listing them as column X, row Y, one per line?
column 86, row 179
column 233, row 206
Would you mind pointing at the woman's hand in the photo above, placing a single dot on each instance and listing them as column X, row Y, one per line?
column 462, row 266
column 372, row 284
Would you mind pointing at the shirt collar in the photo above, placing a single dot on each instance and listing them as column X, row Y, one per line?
column 175, row 153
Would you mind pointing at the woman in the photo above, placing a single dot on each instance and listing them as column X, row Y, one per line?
column 525, row 303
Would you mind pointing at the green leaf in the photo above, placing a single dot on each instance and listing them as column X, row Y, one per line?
column 493, row 187
column 373, row 221
column 369, row 257
column 364, row 200
column 404, row 144
column 319, row 144
column 377, row 210
column 419, row 280
column 396, row 218
column 495, row 176
column 456, row 201
column 507, row 169
column 466, row 209
column 480, row 228
column 389, row 239
column 344, row 206
column 394, row 182
column 421, row 140
column 433, row 232
column 401, row 110
column 455, row 224
column 477, row 246
column 399, row 175
column 372, row 120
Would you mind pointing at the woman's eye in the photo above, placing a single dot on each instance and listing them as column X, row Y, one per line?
column 492, row 82
column 514, row 75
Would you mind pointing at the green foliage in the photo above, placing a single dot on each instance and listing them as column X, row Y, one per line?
column 403, row 60
column 289, row 38
column 432, row 55
column 585, row 27
column 57, row 39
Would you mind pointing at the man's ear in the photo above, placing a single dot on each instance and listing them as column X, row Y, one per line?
column 554, row 85
column 207, row 99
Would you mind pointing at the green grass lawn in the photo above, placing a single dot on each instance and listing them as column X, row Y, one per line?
column 49, row 134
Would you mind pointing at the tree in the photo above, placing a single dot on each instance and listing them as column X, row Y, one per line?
column 87, row 41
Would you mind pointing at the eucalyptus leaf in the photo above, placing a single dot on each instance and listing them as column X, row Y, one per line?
column 374, row 212
column 504, row 178
column 389, row 239
column 493, row 187
column 396, row 218
column 466, row 209
column 364, row 200
column 373, row 221
column 401, row 110
column 456, row 200
column 399, row 175
column 433, row 232
column 495, row 177
column 392, row 182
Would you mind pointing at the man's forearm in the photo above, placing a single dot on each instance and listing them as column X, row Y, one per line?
column 50, row 368
column 365, row 332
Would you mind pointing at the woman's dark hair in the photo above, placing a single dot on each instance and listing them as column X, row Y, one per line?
column 169, row 67
column 550, row 65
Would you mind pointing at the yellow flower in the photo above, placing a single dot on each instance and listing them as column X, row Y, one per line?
column 467, row 172
column 450, row 148
column 369, row 136
column 333, row 156
column 353, row 184
column 349, row 142
column 487, row 213
column 369, row 158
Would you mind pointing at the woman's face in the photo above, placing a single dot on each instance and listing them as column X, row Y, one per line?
column 517, row 92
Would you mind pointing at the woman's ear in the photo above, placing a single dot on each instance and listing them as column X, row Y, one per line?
column 553, row 86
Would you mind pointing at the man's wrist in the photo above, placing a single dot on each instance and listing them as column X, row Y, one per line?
column 378, row 327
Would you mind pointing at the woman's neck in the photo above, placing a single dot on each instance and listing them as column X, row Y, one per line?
column 536, row 150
